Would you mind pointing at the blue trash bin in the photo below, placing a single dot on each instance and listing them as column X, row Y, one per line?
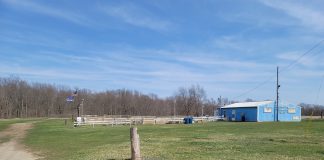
column 190, row 120
column 187, row 120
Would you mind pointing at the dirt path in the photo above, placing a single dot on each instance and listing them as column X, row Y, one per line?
column 13, row 150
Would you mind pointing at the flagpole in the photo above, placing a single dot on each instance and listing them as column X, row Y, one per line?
column 82, row 107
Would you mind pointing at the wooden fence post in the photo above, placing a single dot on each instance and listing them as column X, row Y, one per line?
column 135, row 144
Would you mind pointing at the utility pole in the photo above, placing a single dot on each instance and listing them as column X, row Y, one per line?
column 277, row 103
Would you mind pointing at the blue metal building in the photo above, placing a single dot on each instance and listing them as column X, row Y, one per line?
column 265, row 111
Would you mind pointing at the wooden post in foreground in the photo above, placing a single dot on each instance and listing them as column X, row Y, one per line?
column 135, row 144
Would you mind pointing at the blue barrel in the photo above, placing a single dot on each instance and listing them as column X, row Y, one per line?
column 190, row 120
column 187, row 120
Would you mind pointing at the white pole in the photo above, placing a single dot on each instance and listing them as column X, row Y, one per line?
column 135, row 144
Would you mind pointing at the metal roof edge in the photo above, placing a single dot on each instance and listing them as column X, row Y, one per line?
column 247, row 104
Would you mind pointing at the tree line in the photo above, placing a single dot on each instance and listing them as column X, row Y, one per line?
column 18, row 98
column 312, row 110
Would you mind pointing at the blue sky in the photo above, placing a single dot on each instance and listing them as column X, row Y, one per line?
column 227, row 47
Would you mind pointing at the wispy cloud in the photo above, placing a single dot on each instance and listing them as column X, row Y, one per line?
column 305, row 73
column 227, row 42
column 137, row 17
column 223, row 62
column 42, row 72
column 311, row 59
column 32, row 6
column 173, row 69
column 293, row 56
column 222, row 47
column 309, row 17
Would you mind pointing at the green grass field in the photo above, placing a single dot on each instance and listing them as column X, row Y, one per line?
column 4, row 123
column 214, row 140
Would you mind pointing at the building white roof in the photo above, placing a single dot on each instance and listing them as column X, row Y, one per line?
column 246, row 104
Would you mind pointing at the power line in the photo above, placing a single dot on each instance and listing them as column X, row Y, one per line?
column 300, row 57
column 319, row 90
column 256, row 87
column 285, row 68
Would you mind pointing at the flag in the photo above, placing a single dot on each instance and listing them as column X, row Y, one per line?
column 70, row 99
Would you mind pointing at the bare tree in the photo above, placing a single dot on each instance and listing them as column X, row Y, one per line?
column 189, row 101
column 19, row 98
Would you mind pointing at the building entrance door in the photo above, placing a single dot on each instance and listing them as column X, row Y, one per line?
column 233, row 115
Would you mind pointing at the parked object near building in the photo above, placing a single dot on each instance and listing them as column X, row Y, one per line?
column 188, row 120
column 265, row 111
